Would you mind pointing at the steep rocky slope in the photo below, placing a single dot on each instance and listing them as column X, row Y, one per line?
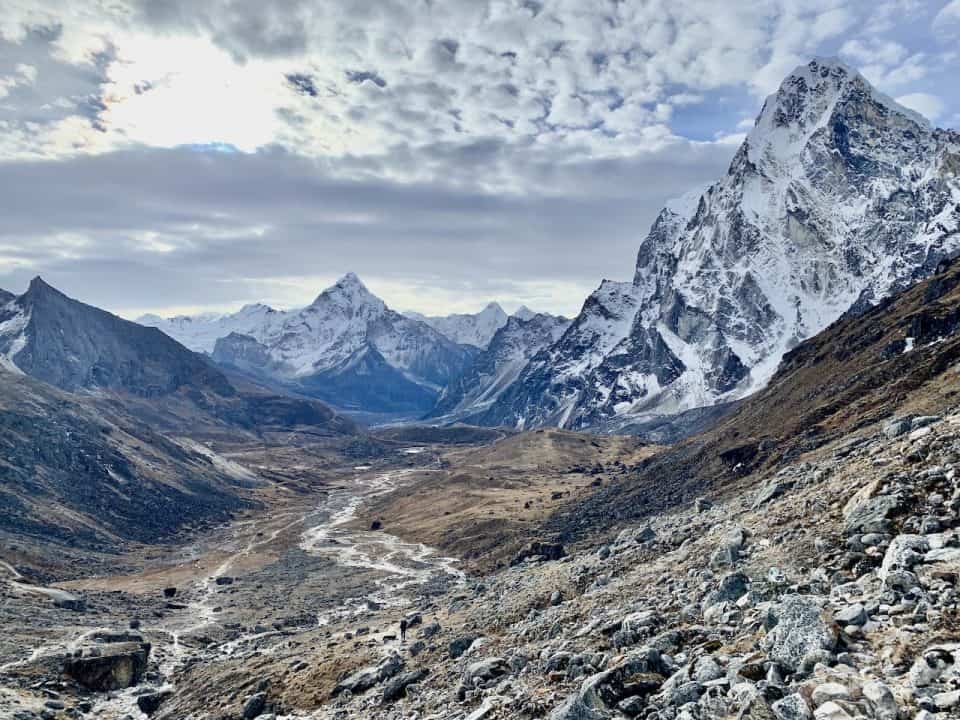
column 837, row 197
column 899, row 356
column 75, row 346
column 70, row 473
column 498, row 367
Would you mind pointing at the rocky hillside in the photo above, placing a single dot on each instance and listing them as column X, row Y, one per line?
column 798, row 562
column 837, row 197
column 79, row 347
column 130, row 368
column 70, row 473
column 498, row 367
column 347, row 348
column 898, row 357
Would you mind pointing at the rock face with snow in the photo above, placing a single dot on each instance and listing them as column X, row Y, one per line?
column 49, row 336
column 347, row 347
column 466, row 329
column 201, row 332
column 837, row 197
column 495, row 369
column 82, row 349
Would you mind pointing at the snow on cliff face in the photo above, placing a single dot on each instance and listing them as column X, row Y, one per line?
column 495, row 369
column 466, row 329
column 339, row 327
column 201, row 332
column 837, row 197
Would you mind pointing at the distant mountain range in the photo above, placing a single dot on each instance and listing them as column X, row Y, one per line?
column 495, row 369
column 82, row 349
column 466, row 329
column 95, row 416
column 351, row 350
column 837, row 197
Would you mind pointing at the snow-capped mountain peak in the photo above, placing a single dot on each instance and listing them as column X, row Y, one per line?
column 468, row 329
column 523, row 313
column 346, row 347
column 805, row 103
column 837, row 197
column 348, row 290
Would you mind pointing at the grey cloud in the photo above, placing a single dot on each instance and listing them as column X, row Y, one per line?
column 60, row 89
column 302, row 83
column 231, row 221
column 362, row 76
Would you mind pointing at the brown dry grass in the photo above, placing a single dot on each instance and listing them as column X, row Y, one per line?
column 487, row 502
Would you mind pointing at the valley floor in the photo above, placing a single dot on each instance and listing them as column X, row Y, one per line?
column 827, row 589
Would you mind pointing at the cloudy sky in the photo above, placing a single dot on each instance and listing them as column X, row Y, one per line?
column 183, row 155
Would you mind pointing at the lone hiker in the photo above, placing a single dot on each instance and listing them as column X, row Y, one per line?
column 403, row 630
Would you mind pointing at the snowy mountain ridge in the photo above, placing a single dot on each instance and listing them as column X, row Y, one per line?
column 326, row 348
column 837, row 197
column 467, row 329
column 498, row 367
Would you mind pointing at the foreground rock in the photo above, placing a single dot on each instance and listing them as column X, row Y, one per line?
column 109, row 667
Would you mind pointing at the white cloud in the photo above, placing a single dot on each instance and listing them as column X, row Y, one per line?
column 23, row 75
column 572, row 110
column 926, row 104
column 948, row 17
column 873, row 51
column 381, row 74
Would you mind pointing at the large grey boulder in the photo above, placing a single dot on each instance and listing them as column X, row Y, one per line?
column 732, row 587
column 483, row 673
column 397, row 687
column 728, row 551
column 599, row 695
column 903, row 553
column 800, row 626
column 109, row 667
column 365, row 678
column 871, row 515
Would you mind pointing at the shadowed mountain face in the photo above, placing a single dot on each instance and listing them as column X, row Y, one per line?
column 899, row 356
column 496, row 368
column 837, row 197
column 79, row 347
column 5, row 296
column 73, row 474
column 85, row 401
column 135, row 369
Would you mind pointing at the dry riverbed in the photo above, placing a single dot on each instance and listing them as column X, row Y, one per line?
column 292, row 574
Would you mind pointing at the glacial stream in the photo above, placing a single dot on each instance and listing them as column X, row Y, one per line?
column 402, row 568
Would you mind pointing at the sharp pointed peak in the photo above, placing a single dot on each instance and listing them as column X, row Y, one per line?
column 523, row 313
column 349, row 286
column 830, row 78
column 350, row 280
column 40, row 288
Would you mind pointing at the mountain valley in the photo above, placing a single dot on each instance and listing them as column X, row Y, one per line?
column 727, row 489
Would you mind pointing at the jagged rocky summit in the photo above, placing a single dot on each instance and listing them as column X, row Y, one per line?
column 837, row 197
